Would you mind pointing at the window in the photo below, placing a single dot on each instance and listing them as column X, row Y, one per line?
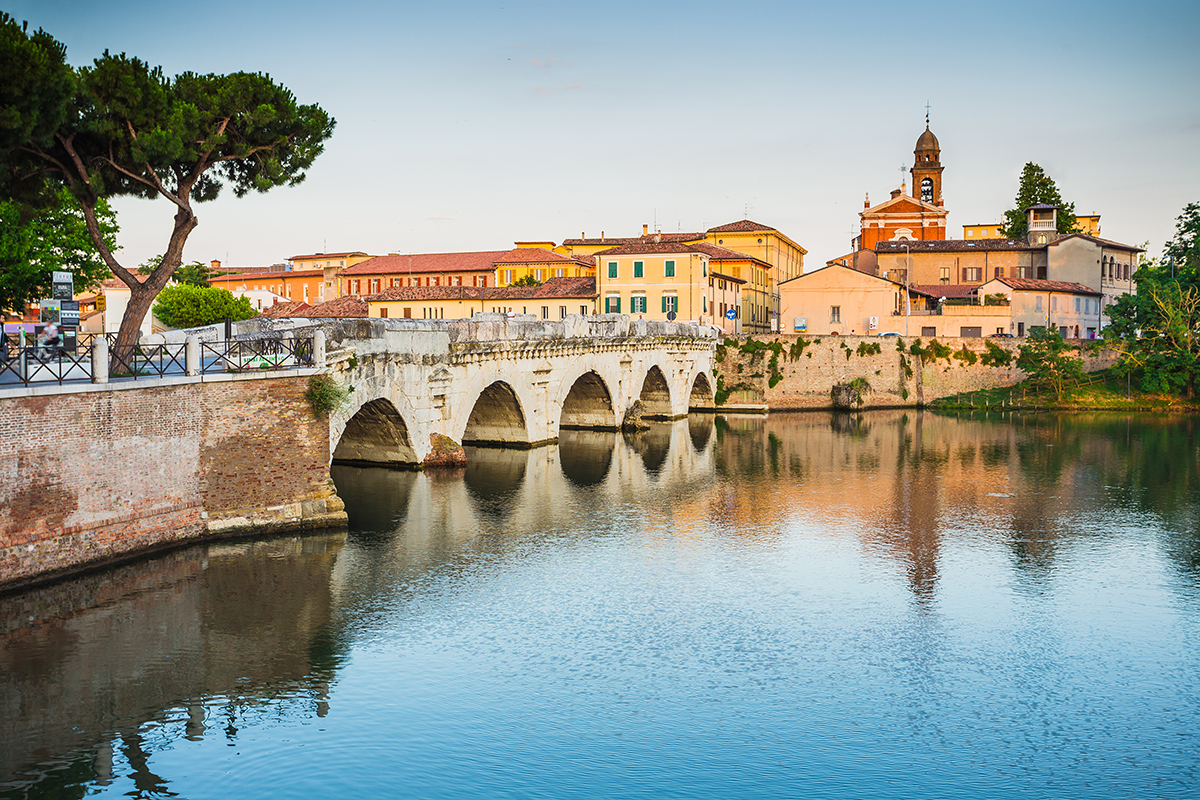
column 560, row 273
column 562, row 312
column 1053, row 303
column 670, row 302
column 999, row 273
column 945, row 274
column 1076, row 305
column 583, row 311
column 408, row 313
column 612, row 269
column 704, row 303
column 537, row 274
column 637, row 304
column 1020, row 329
column 383, row 312
column 612, row 304
column 1037, row 303
column 835, row 313
column 545, row 312
column 669, row 269
column 970, row 274
column 306, row 292
column 508, row 277
column 638, row 269
column 703, row 268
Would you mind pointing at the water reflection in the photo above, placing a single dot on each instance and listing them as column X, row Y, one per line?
column 586, row 456
column 974, row 589
column 87, row 665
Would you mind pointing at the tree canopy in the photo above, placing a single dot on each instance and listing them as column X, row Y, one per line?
column 182, row 305
column 1048, row 361
column 34, row 243
column 1037, row 187
column 122, row 128
column 1157, row 330
column 197, row 273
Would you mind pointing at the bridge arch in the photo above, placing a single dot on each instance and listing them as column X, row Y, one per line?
column 497, row 418
column 375, row 434
column 656, row 395
column 702, row 392
column 588, row 404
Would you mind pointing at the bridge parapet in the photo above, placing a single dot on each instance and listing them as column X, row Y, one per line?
column 510, row 380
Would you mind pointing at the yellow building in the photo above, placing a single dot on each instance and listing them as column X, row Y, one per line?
column 533, row 260
column 752, row 288
column 838, row 300
column 554, row 299
column 992, row 231
column 1089, row 224
column 784, row 257
column 655, row 281
column 307, row 285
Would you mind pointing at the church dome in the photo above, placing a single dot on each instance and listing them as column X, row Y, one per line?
column 927, row 141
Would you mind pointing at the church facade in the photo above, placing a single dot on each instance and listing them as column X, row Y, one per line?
column 920, row 216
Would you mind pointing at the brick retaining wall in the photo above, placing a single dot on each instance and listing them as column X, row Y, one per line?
column 829, row 360
column 92, row 476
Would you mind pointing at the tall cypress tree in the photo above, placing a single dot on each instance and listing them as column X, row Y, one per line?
column 1037, row 187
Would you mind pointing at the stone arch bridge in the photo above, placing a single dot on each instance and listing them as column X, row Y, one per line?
column 506, row 381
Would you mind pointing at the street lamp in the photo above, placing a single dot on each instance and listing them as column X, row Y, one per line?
column 907, row 284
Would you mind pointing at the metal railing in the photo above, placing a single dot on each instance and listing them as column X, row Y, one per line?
column 255, row 354
column 139, row 360
column 26, row 364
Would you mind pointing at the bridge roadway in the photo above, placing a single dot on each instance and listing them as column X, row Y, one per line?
column 506, row 381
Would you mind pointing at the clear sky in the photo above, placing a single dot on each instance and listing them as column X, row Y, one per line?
column 470, row 125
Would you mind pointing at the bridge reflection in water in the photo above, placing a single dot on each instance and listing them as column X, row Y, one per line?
column 732, row 596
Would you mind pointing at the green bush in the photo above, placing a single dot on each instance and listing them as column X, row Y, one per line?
column 325, row 395
column 183, row 305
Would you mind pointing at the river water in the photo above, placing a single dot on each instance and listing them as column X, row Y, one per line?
column 894, row 604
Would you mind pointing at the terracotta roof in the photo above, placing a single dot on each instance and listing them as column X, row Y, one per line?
column 418, row 293
column 237, row 277
column 554, row 288
column 946, row 289
column 722, row 254
column 1098, row 240
column 741, row 226
column 342, row 308
column 643, row 246
column 534, row 255
column 616, row 241
column 289, row 309
column 955, row 245
column 482, row 261
column 1038, row 285
column 314, row 256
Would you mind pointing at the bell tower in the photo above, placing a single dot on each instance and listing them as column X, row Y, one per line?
column 927, row 167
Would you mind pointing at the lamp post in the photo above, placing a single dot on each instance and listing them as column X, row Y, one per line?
column 907, row 284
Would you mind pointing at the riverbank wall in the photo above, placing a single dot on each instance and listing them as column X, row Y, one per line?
column 96, row 473
column 799, row 372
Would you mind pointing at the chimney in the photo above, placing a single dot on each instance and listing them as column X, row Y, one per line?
column 602, row 236
column 866, row 199
column 645, row 230
column 583, row 234
column 897, row 192
column 657, row 237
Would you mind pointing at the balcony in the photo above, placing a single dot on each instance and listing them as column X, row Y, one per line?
column 1042, row 225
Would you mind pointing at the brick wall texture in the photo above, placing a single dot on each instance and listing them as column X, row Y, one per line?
column 91, row 477
column 828, row 360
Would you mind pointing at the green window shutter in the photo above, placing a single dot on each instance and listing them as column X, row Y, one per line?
column 669, row 270
column 612, row 269
column 664, row 304
column 638, row 268
column 617, row 303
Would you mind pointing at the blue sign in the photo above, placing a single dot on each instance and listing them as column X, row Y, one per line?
column 731, row 314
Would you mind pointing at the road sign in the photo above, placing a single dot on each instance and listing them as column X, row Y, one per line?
column 731, row 314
